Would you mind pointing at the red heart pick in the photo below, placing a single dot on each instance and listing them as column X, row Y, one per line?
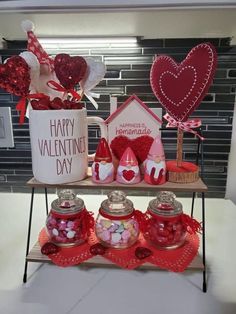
column 69, row 70
column 15, row 76
column 128, row 174
column 140, row 146
column 181, row 87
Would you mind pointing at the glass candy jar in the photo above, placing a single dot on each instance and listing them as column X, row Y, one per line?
column 116, row 225
column 165, row 227
column 68, row 221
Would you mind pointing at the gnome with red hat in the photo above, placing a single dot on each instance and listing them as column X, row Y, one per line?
column 155, row 166
column 128, row 170
column 102, row 167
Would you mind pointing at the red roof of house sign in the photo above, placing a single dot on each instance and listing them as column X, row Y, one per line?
column 132, row 119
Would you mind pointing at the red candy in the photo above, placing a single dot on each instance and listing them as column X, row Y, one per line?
column 97, row 249
column 166, row 233
column 55, row 104
column 142, row 252
column 49, row 248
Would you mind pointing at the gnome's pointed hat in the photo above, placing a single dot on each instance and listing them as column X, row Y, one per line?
column 128, row 157
column 103, row 152
column 34, row 46
column 156, row 150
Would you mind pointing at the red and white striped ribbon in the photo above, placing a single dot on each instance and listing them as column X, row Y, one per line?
column 185, row 126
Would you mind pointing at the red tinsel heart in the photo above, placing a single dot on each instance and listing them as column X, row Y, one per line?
column 69, row 70
column 15, row 77
column 97, row 249
column 181, row 87
column 142, row 252
column 128, row 174
column 49, row 248
column 140, row 146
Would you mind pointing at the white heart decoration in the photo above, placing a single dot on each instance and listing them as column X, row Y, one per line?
column 95, row 73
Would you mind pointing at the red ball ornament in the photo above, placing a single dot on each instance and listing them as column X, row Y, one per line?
column 15, row 76
column 69, row 70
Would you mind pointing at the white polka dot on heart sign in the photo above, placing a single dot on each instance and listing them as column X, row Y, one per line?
column 176, row 76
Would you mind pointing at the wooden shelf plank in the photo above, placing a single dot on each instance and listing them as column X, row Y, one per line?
column 35, row 255
column 87, row 183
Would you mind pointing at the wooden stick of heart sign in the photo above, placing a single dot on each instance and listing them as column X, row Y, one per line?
column 180, row 88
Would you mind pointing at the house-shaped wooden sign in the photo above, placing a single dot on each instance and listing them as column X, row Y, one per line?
column 133, row 119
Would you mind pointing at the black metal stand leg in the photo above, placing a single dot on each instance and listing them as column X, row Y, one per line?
column 204, row 284
column 28, row 236
column 192, row 207
column 46, row 199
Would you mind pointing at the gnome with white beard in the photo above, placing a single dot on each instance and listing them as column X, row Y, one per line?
column 128, row 170
column 155, row 165
column 102, row 167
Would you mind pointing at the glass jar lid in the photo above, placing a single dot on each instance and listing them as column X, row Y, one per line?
column 165, row 204
column 117, row 205
column 67, row 203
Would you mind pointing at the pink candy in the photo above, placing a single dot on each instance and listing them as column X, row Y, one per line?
column 117, row 233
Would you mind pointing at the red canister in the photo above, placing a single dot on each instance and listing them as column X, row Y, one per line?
column 164, row 224
column 68, row 222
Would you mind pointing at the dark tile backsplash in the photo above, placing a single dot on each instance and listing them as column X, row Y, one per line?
column 128, row 72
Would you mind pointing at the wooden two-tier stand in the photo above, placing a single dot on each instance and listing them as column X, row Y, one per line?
column 197, row 187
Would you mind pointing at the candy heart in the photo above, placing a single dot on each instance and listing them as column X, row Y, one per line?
column 140, row 146
column 94, row 74
column 49, row 248
column 97, row 249
column 128, row 174
column 15, row 76
column 69, row 70
column 181, row 87
column 142, row 252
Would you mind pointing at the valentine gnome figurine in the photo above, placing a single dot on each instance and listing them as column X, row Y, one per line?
column 128, row 170
column 155, row 166
column 102, row 167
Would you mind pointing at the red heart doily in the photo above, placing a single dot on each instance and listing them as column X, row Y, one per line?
column 174, row 260
column 181, row 87
column 140, row 146
column 69, row 70
column 15, row 76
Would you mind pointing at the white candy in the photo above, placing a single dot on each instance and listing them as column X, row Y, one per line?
column 115, row 237
column 55, row 232
column 70, row 234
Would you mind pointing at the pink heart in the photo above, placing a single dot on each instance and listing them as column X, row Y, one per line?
column 181, row 87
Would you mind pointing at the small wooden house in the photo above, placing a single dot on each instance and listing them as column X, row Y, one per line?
column 133, row 119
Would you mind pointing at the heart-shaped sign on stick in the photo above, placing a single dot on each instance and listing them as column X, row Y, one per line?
column 15, row 76
column 180, row 87
column 95, row 73
column 69, row 70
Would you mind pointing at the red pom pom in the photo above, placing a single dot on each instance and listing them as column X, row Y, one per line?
column 119, row 145
column 142, row 252
column 49, row 248
column 97, row 249
column 141, row 146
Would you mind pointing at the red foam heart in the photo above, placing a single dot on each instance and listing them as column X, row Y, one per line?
column 181, row 87
column 15, row 76
column 128, row 174
column 69, row 70
column 140, row 146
